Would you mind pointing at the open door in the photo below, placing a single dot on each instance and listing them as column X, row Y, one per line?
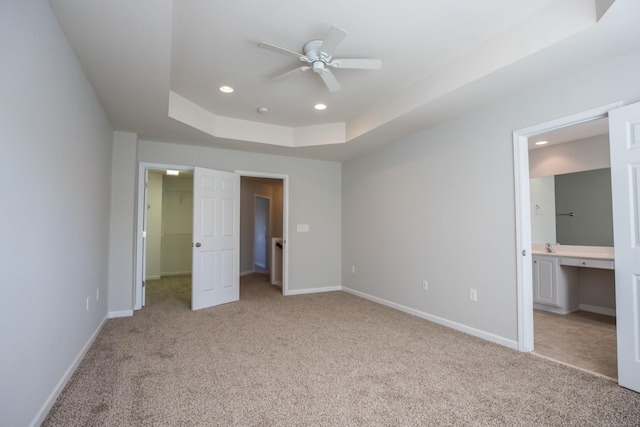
column 216, row 238
column 624, row 134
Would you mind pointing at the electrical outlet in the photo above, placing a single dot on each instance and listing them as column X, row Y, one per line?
column 87, row 303
column 425, row 285
column 353, row 269
column 473, row 295
column 97, row 294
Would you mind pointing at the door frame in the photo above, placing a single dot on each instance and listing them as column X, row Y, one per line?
column 285, row 220
column 524, row 274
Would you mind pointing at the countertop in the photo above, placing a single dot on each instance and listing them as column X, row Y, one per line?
column 571, row 251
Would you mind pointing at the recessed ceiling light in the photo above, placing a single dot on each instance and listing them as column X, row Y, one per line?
column 263, row 110
column 320, row 107
column 226, row 89
column 172, row 172
column 542, row 142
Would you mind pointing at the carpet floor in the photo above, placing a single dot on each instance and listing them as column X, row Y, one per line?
column 329, row 359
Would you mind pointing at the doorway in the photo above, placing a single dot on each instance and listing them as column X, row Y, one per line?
column 524, row 215
column 263, row 227
column 571, row 205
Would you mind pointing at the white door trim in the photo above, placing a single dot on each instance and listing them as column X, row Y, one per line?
column 140, row 209
column 523, row 216
column 285, row 220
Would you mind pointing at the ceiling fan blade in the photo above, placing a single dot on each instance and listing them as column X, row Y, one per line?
column 288, row 74
column 332, row 40
column 330, row 80
column 361, row 64
column 282, row 50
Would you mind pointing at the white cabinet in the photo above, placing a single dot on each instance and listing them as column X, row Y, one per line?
column 545, row 282
column 554, row 288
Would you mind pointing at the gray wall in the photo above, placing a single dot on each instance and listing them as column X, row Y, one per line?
column 314, row 199
column 439, row 205
column 56, row 145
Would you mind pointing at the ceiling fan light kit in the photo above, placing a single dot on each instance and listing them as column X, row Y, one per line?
column 318, row 54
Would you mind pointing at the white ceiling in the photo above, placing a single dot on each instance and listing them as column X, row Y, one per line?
column 439, row 59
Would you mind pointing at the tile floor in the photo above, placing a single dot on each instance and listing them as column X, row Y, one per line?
column 582, row 339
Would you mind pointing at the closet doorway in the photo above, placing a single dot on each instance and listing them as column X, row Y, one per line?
column 169, row 225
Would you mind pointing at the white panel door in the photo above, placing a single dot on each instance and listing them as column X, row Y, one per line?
column 216, row 238
column 624, row 135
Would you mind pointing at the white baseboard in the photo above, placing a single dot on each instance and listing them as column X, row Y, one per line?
column 439, row 320
column 313, row 290
column 599, row 310
column 153, row 278
column 48, row 404
column 123, row 313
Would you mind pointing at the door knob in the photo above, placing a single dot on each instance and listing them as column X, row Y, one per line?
column 198, row 245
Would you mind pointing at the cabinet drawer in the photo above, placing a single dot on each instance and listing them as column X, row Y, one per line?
column 588, row 263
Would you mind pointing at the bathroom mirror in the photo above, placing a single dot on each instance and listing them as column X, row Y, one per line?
column 573, row 208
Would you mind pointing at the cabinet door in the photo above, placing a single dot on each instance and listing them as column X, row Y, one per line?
column 545, row 285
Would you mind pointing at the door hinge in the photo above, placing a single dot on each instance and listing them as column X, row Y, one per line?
column 524, row 252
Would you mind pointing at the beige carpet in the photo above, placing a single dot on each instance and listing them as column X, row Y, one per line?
column 329, row 359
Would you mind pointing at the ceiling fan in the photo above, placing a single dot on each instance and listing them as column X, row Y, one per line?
column 318, row 56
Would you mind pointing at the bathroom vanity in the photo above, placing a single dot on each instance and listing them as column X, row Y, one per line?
column 556, row 275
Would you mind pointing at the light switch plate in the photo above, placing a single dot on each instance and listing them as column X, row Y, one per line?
column 303, row 228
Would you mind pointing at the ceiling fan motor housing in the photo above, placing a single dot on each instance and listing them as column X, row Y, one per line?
column 318, row 67
column 317, row 59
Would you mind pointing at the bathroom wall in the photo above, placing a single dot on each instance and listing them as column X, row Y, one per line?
column 543, row 209
column 575, row 156
column 588, row 196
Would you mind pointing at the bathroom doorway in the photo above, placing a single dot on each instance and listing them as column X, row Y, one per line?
column 263, row 227
column 526, row 212
column 571, row 207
